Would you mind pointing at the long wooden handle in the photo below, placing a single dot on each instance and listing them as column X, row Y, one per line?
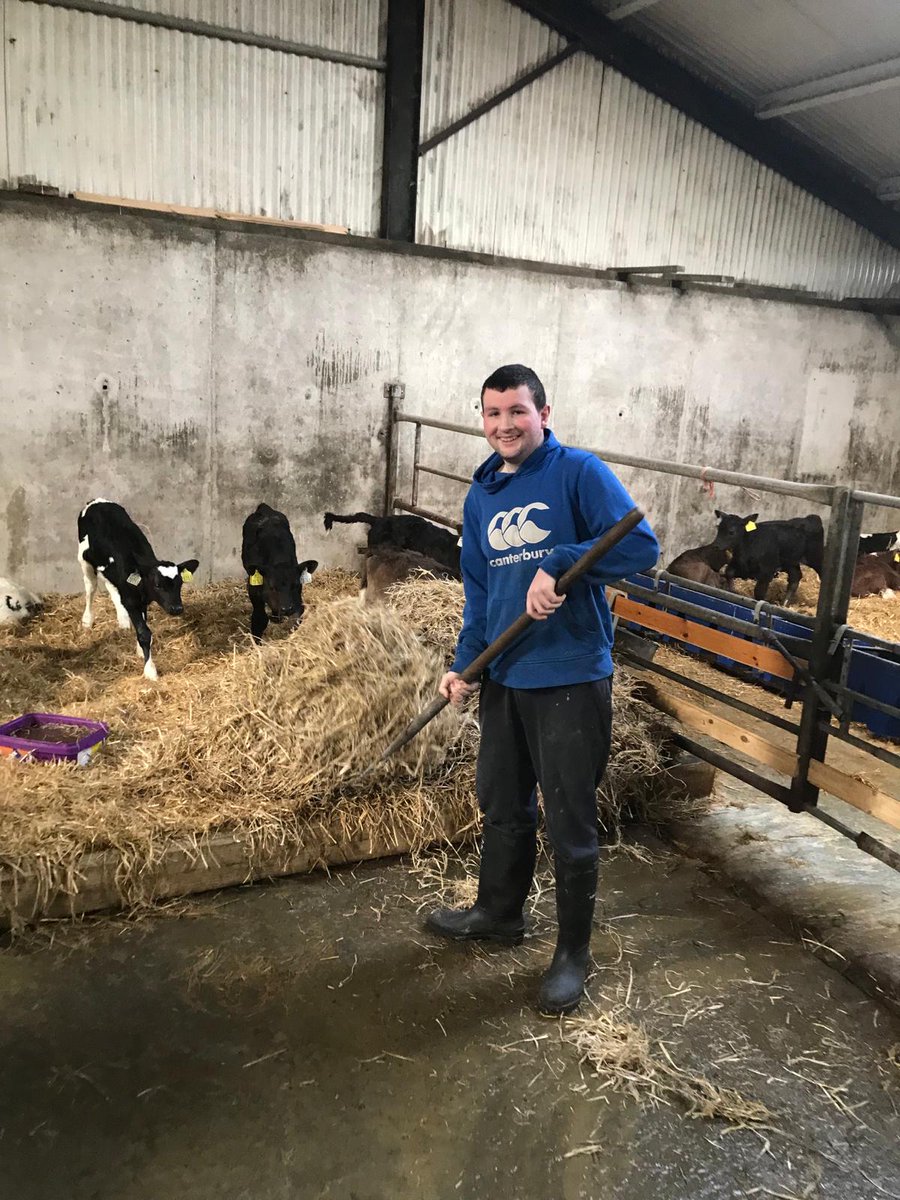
column 601, row 547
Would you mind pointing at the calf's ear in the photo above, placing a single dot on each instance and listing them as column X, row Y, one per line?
column 719, row 513
column 186, row 569
column 307, row 568
column 753, row 517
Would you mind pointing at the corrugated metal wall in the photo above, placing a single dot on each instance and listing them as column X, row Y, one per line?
column 581, row 167
column 98, row 104
column 585, row 167
column 351, row 26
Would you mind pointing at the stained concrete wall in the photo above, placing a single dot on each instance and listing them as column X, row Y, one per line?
column 190, row 372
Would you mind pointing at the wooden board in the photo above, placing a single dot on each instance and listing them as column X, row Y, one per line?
column 856, row 792
column 694, row 716
column 224, row 860
column 185, row 210
column 717, row 641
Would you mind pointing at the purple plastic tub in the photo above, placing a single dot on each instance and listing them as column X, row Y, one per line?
column 46, row 736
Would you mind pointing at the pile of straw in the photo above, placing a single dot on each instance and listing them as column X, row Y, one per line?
column 271, row 743
column 624, row 1057
column 267, row 742
column 432, row 607
column 807, row 591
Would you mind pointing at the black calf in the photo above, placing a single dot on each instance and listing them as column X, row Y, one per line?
column 112, row 546
column 405, row 532
column 275, row 578
column 761, row 551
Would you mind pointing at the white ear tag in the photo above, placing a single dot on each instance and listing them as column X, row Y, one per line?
column 134, row 579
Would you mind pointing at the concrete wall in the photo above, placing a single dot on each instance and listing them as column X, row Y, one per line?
column 189, row 372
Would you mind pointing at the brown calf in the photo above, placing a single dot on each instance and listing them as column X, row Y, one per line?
column 388, row 565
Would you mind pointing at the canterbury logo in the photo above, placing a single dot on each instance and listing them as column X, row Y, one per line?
column 515, row 528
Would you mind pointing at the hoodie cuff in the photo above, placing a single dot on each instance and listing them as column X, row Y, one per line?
column 553, row 565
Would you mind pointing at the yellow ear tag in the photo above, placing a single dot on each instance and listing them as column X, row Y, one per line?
column 897, row 557
column 187, row 575
column 750, row 526
column 256, row 579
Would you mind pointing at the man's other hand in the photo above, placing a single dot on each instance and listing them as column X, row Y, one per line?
column 542, row 599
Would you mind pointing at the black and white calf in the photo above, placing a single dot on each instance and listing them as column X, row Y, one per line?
column 112, row 546
column 17, row 604
column 872, row 543
column 274, row 577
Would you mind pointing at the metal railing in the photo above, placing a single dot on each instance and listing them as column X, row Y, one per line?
column 820, row 663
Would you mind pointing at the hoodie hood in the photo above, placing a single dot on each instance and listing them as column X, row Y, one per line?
column 492, row 479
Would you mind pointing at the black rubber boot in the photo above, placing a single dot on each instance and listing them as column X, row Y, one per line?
column 563, row 985
column 507, row 867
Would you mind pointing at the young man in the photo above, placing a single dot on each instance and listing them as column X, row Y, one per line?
column 545, row 710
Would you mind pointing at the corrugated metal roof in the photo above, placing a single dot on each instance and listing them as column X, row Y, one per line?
column 130, row 110
column 855, row 129
column 585, row 167
column 751, row 48
column 759, row 46
column 351, row 26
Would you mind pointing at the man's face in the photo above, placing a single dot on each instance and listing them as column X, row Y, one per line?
column 513, row 425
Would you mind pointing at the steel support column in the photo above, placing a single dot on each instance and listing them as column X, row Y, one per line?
column 402, row 101
column 834, row 601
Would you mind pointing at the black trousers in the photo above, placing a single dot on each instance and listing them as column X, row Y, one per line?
column 558, row 737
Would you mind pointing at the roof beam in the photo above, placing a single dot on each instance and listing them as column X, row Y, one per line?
column 772, row 143
column 830, row 88
column 628, row 8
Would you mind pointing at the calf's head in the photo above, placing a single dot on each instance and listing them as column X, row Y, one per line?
column 163, row 583
column 282, row 587
column 732, row 528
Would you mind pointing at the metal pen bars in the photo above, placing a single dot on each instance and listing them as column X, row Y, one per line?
column 824, row 684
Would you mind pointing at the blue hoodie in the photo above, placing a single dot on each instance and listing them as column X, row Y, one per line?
column 545, row 514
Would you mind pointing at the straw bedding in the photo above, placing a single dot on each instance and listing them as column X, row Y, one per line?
column 870, row 614
column 271, row 743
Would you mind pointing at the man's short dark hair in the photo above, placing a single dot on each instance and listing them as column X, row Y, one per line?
column 506, row 379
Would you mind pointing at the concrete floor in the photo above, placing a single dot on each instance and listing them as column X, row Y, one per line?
column 306, row 1039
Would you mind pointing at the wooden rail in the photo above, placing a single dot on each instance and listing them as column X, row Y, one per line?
column 857, row 792
column 716, row 641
